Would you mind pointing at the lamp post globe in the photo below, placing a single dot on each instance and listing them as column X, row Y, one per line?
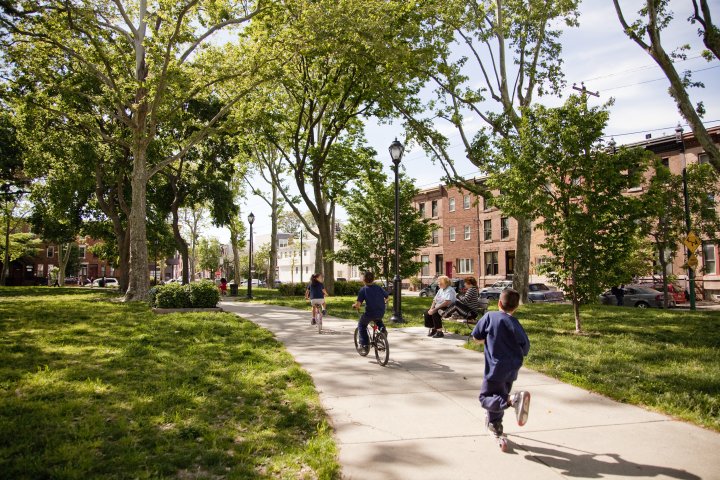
column 396, row 152
column 251, row 220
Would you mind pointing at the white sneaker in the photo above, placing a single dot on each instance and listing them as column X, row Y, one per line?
column 520, row 401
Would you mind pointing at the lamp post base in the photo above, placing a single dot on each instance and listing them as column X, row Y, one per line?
column 397, row 318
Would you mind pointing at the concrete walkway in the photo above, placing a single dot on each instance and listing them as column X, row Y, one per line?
column 419, row 418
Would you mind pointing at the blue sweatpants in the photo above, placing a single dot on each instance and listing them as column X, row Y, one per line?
column 362, row 327
column 494, row 398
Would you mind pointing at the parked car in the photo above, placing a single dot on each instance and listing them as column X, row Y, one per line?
column 637, row 296
column 539, row 293
column 255, row 282
column 341, row 279
column 493, row 291
column 676, row 292
column 105, row 282
column 431, row 290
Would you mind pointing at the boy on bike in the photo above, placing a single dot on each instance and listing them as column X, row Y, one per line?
column 316, row 294
column 506, row 345
column 375, row 298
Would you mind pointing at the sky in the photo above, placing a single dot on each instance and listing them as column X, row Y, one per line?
column 597, row 53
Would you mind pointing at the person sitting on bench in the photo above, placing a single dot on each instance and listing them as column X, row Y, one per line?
column 468, row 303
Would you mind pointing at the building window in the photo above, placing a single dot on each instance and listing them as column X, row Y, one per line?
column 434, row 208
column 40, row 270
column 665, row 162
column 703, row 158
column 439, row 265
column 425, row 260
column 435, row 237
column 81, row 251
column 709, row 260
column 504, row 227
column 452, row 234
column 451, row 204
column 467, row 232
column 297, row 270
column 306, row 269
column 487, row 230
column 84, row 270
column 466, row 202
column 50, row 252
column 484, row 203
column 421, row 209
column 465, row 265
column 491, row 263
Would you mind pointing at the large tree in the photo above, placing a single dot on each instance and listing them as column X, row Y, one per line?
column 146, row 58
column 555, row 170
column 344, row 60
column 664, row 210
column 498, row 58
column 646, row 31
column 369, row 235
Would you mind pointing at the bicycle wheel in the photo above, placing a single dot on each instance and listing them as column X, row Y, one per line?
column 382, row 348
column 318, row 321
column 363, row 352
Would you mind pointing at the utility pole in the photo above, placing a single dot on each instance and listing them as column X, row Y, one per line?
column 688, row 227
column 583, row 89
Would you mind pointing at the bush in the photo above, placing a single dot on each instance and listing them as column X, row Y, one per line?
column 173, row 295
column 348, row 288
column 292, row 289
column 204, row 295
column 196, row 295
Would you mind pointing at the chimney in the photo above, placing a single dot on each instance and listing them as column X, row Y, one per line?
column 648, row 136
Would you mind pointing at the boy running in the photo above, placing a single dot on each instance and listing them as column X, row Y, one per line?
column 506, row 344
column 375, row 298
column 316, row 294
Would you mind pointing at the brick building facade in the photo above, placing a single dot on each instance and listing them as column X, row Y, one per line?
column 471, row 239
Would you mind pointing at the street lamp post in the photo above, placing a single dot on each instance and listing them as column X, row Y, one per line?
column 396, row 153
column 7, row 193
column 251, row 220
column 691, row 272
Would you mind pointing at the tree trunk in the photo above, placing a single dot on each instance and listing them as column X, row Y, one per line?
column 521, row 274
column 139, row 284
column 328, row 265
column 181, row 244
column 273, row 238
column 236, row 254
column 318, row 257
column 576, row 312
column 64, row 250
column 661, row 256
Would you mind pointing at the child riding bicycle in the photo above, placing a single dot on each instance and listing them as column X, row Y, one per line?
column 375, row 298
column 316, row 294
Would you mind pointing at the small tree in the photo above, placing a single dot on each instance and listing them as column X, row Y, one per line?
column 208, row 251
column 554, row 170
column 369, row 236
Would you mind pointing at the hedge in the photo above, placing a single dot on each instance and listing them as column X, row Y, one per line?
column 195, row 295
column 298, row 289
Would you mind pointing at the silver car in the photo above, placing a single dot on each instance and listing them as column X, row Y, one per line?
column 493, row 291
column 636, row 296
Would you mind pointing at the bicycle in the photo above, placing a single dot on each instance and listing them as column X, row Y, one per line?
column 378, row 340
column 318, row 317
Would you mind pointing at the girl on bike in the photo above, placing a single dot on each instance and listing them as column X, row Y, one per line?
column 316, row 294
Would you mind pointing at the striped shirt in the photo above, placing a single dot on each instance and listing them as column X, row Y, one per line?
column 471, row 298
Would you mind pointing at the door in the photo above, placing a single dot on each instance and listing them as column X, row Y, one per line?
column 439, row 265
column 509, row 263
column 449, row 269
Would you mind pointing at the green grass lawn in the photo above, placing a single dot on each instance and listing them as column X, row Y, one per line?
column 91, row 388
column 668, row 361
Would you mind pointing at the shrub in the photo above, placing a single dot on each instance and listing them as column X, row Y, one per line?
column 292, row 289
column 348, row 288
column 204, row 295
column 173, row 295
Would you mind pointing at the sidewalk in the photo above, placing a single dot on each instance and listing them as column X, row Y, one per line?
column 419, row 418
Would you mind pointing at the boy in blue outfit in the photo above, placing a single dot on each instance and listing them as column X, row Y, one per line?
column 375, row 298
column 506, row 345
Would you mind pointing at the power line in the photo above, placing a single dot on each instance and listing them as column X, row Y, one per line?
column 658, row 79
column 637, row 69
column 672, row 127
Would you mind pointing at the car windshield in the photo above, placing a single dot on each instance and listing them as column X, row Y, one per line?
column 537, row 287
column 644, row 290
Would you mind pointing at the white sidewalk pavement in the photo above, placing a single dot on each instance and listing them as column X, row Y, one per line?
column 419, row 418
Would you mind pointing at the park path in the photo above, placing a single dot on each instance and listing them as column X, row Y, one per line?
column 419, row 418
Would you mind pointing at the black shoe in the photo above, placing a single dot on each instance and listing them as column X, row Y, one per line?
column 324, row 312
column 438, row 334
column 432, row 332
column 313, row 322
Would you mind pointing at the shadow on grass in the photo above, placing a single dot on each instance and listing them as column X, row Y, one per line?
column 98, row 389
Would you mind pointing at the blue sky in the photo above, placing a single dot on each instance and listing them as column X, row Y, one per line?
column 599, row 54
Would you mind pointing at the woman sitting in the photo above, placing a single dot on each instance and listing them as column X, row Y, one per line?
column 444, row 298
column 467, row 303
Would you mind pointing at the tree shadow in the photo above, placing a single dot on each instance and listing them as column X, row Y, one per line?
column 597, row 465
